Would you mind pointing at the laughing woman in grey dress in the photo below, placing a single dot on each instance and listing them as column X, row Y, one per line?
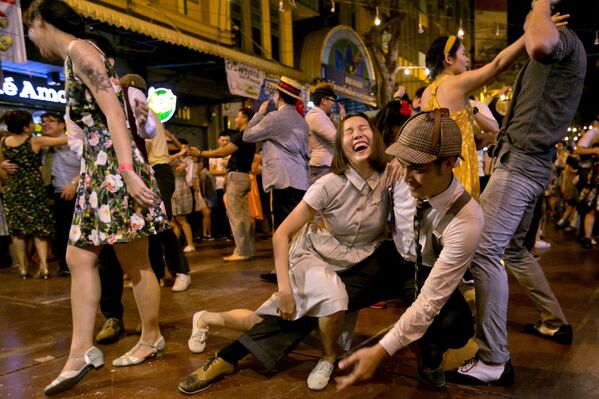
column 353, row 203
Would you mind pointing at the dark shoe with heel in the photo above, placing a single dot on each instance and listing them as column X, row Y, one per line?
column 432, row 377
column 43, row 274
column 562, row 335
column 94, row 359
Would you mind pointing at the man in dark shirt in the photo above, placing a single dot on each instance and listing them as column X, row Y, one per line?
column 546, row 95
column 237, row 187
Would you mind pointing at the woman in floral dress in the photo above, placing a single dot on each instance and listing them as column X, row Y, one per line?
column 117, row 197
column 26, row 203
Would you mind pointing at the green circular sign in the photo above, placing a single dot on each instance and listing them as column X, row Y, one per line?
column 163, row 102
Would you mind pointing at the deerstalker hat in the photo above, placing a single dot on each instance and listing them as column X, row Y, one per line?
column 427, row 136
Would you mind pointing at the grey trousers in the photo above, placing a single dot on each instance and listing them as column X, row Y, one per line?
column 508, row 203
column 238, row 213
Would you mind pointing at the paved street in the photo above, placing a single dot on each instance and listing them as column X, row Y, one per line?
column 36, row 328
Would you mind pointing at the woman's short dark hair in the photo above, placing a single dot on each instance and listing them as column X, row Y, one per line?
column 340, row 162
column 436, row 55
column 388, row 118
column 57, row 13
column 16, row 121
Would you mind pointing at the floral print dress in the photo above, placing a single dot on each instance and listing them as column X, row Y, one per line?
column 104, row 211
column 25, row 201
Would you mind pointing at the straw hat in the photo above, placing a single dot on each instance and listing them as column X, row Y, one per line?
column 289, row 86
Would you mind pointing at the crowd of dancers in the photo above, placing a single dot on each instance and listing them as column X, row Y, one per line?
column 364, row 209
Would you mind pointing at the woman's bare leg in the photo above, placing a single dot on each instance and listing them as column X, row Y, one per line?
column 41, row 246
column 182, row 221
column 175, row 227
column 330, row 327
column 236, row 319
column 133, row 257
column 206, row 221
column 85, row 297
column 18, row 244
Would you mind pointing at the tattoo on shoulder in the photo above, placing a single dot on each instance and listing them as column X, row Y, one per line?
column 98, row 79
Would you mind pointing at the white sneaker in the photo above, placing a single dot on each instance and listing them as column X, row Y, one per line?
column 197, row 340
column 542, row 244
column 189, row 248
column 182, row 282
column 320, row 375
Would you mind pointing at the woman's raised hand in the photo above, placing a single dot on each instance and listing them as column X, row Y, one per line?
column 560, row 20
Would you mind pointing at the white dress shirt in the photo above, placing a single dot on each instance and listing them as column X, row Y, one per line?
column 460, row 241
column 321, row 138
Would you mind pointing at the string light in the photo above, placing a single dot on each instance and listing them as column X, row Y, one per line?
column 427, row 71
column 420, row 26
column 281, row 6
column 406, row 71
column 596, row 43
column 332, row 5
column 461, row 30
column 377, row 19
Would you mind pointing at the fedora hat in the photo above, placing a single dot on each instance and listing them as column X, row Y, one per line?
column 290, row 87
column 325, row 90
column 427, row 136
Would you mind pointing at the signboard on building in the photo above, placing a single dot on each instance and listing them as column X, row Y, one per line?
column 243, row 80
column 29, row 90
column 347, row 63
column 12, row 41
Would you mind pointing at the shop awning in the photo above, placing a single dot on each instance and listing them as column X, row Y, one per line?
column 138, row 25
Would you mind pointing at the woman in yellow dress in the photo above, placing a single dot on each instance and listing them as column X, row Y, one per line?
column 452, row 82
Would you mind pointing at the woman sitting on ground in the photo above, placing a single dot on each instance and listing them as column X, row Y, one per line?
column 353, row 203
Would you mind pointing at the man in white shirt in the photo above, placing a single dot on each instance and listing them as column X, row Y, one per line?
column 322, row 130
column 447, row 233
column 218, row 169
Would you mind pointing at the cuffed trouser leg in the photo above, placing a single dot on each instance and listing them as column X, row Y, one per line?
column 508, row 202
column 238, row 213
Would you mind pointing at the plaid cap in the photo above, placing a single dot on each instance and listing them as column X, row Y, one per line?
column 134, row 80
column 426, row 137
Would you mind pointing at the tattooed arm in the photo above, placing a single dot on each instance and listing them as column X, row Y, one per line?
column 88, row 65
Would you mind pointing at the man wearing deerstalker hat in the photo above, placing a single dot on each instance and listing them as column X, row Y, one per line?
column 438, row 226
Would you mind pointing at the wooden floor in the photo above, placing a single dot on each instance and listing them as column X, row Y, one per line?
column 36, row 328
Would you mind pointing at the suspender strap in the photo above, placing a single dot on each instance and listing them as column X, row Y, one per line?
column 455, row 208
